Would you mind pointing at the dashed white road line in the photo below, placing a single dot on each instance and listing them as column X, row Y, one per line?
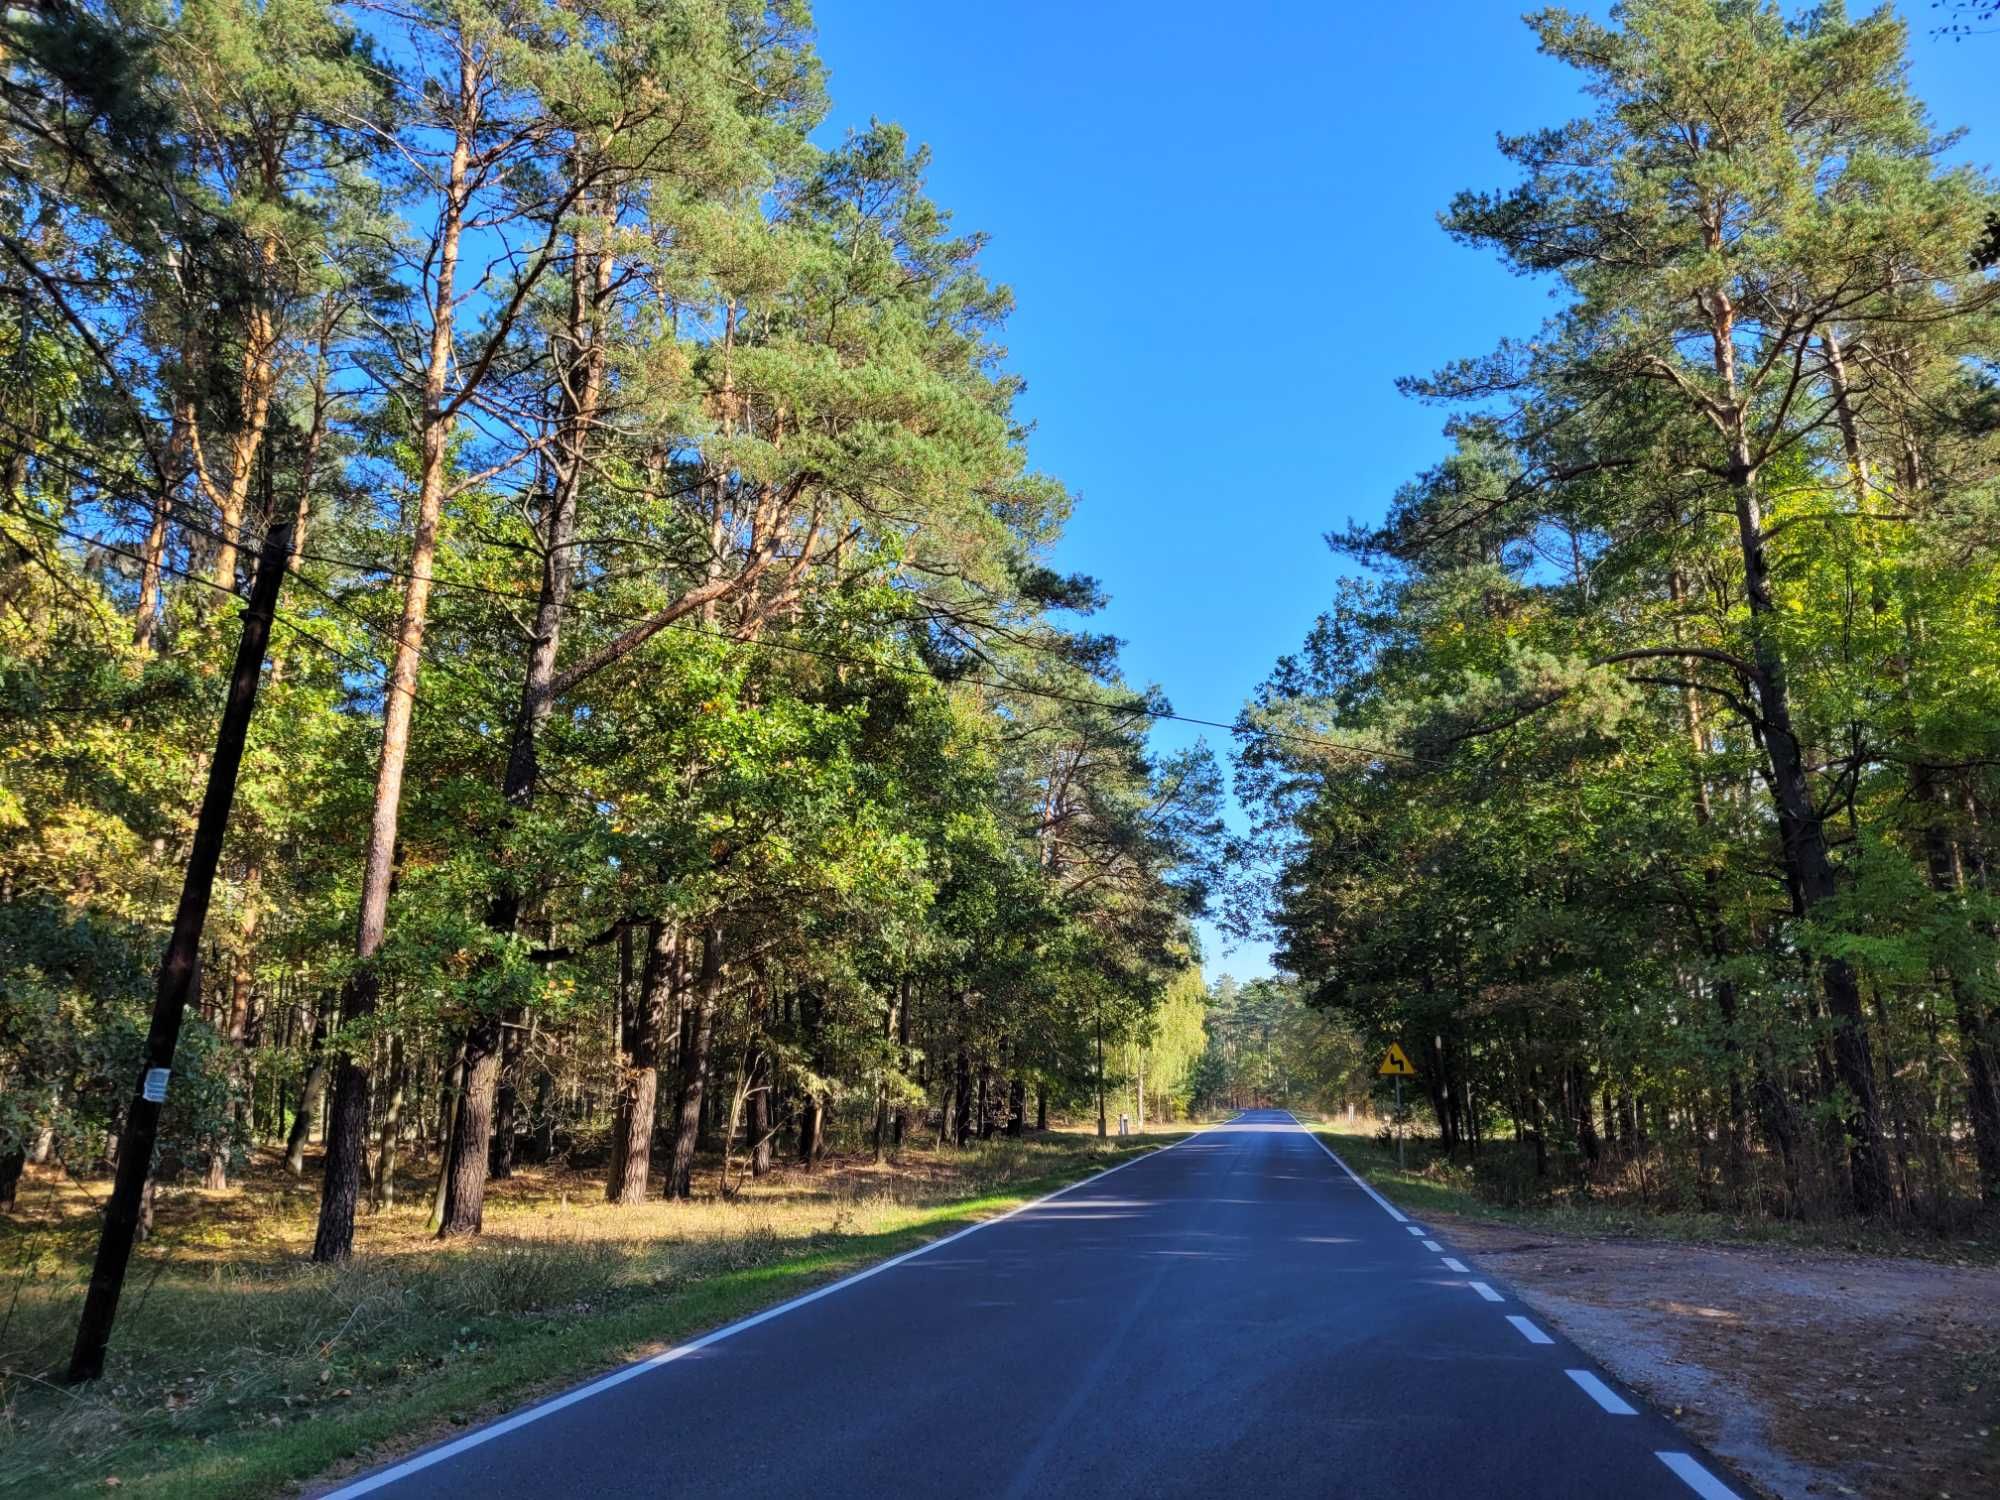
column 1690, row 1473
column 1433, row 1246
column 1602, row 1394
column 1458, row 1266
column 1528, row 1330
column 1695, row 1477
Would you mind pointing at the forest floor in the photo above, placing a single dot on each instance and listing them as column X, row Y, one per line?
column 239, row 1369
column 1815, row 1368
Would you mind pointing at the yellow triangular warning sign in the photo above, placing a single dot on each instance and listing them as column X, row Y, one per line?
column 1396, row 1063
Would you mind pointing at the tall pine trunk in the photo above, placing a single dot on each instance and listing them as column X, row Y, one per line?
column 256, row 382
column 1800, row 825
column 507, row 1113
column 581, row 387
column 347, row 1129
column 472, row 1129
column 760, row 1114
column 390, row 1139
column 902, row 1119
column 632, row 1128
column 312, row 1091
column 694, row 1066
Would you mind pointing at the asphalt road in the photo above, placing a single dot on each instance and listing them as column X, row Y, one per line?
column 1235, row 1315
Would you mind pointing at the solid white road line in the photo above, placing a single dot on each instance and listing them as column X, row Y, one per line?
column 422, row 1461
column 1528, row 1330
column 1456, row 1265
column 1602, row 1394
column 1695, row 1477
column 1433, row 1246
column 1383, row 1203
column 1487, row 1292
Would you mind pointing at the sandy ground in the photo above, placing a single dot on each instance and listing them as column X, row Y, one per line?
column 1814, row 1374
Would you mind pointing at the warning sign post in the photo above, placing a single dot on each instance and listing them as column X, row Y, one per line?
column 1396, row 1065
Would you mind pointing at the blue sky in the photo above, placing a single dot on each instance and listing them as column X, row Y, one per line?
column 1220, row 225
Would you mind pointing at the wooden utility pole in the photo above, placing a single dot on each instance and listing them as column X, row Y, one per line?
column 177, row 969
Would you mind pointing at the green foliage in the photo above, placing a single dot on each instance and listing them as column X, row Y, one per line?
column 739, row 625
column 1643, row 796
column 1266, row 1046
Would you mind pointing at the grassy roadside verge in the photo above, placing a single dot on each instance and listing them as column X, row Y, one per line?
column 1429, row 1184
column 244, row 1374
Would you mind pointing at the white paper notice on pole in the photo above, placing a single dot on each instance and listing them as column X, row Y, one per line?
column 154, row 1089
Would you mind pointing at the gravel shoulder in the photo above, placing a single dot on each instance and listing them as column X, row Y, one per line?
column 1815, row 1374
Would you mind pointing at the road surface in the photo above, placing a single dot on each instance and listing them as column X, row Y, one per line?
column 1234, row 1315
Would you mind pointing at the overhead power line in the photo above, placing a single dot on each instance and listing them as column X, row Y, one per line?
column 1138, row 707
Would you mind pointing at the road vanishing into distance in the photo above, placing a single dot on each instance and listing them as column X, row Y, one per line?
column 1234, row 1315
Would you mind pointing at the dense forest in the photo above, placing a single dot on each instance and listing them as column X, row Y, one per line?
column 521, row 575
column 1644, row 783
column 672, row 735
column 566, row 788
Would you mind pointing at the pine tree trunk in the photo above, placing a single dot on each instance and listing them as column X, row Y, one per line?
column 1804, row 835
column 985, row 1100
column 453, row 1101
column 632, row 1130
column 964, row 1097
column 694, row 1066
column 472, row 1134
column 760, row 1116
column 236, row 1029
column 811, row 1116
column 506, row 1116
column 436, row 418
column 346, row 1129
column 1585, row 1124
column 256, row 382
column 902, row 1057
column 152, row 554
column 384, row 1195
column 1800, row 825
column 312, row 1093
column 881, row 1134
column 581, row 386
